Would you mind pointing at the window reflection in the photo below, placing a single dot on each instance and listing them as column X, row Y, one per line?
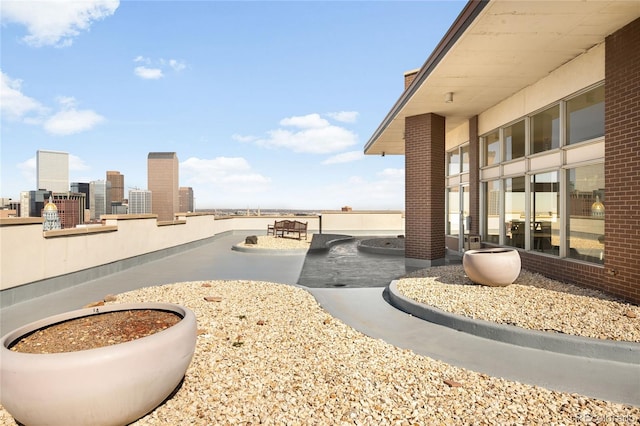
column 514, row 201
column 514, row 141
column 586, row 213
column 492, row 149
column 545, row 130
column 545, row 208
column 492, row 209
column 453, row 215
column 585, row 116
column 453, row 162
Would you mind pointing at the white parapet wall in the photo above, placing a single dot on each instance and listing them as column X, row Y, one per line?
column 31, row 255
column 369, row 222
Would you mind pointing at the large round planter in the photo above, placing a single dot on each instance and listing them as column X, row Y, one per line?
column 496, row 267
column 111, row 385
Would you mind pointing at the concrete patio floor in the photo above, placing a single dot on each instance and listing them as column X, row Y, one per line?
column 360, row 306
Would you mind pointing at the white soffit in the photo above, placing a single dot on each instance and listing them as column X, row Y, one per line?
column 509, row 46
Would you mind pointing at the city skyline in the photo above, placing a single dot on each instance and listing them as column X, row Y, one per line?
column 275, row 116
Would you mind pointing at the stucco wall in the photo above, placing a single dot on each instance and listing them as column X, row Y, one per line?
column 30, row 255
column 571, row 77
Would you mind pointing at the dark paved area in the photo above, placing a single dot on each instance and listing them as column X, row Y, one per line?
column 343, row 265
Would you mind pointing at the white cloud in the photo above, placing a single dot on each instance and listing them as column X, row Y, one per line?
column 344, row 116
column 177, row 65
column 56, row 22
column 148, row 73
column 71, row 120
column 77, row 164
column 309, row 121
column 312, row 134
column 385, row 190
column 13, row 103
column 345, row 157
column 28, row 170
column 241, row 138
column 226, row 174
column 155, row 69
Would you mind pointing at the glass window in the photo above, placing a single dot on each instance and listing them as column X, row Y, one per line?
column 585, row 116
column 453, row 162
column 491, row 148
column 545, row 207
column 586, row 213
column 465, row 158
column 545, row 130
column 453, row 215
column 514, row 202
column 514, row 141
column 492, row 211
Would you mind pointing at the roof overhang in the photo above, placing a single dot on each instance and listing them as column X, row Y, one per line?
column 495, row 49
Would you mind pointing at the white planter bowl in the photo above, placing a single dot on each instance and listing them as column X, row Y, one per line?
column 111, row 385
column 496, row 267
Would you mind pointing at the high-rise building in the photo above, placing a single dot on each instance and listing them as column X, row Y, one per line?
column 139, row 201
column 33, row 202
column 82, row 187
column 52, row 170
column 117, row 186
column 100, row 193
column 70, row 208
column 162, row 178
column 185, row 194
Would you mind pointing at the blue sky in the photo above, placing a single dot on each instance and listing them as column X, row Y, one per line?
column 267, row 104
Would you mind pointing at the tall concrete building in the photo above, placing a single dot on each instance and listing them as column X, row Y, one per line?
column 117, row 186
column 185, row 194
column 52, row 170
column 139, row 201
column 100, row 193
column 162, row 179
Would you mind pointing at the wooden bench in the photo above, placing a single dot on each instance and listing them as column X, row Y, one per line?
column 288, row 229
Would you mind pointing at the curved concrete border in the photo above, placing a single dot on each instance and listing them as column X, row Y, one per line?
column 322, row 242
column 286, row 252
column 626, row 352
column 364, row 247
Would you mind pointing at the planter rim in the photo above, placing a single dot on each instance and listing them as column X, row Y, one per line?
column 23, row 330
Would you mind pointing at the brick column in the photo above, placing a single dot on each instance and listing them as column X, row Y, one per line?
column 622, row 162
column 424, row 190
column 474, row 175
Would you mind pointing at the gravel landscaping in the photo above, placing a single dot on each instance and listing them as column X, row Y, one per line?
column 272, row 243
column 532, row 301
column 269, row 354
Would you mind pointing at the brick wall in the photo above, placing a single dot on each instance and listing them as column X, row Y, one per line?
column 424, row 187
column 409, row 76
column 622, row 162
column 474, row 176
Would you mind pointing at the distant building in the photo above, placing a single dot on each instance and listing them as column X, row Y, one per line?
column 82, row 187
column 70, row 208
column 119, row 208
column 50, row 215
column 52, row 170
column 100, row 193
column 32, row 202
column 117, row 186
column 185, row 194
column 139, row 201
column 162, row 177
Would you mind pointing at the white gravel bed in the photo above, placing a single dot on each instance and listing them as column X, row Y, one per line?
column 532, row 301
column 273, row 243
column 269, row 354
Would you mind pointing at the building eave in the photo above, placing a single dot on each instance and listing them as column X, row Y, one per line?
column 493, row 50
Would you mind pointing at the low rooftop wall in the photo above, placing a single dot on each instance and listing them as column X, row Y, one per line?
column 31, row 255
